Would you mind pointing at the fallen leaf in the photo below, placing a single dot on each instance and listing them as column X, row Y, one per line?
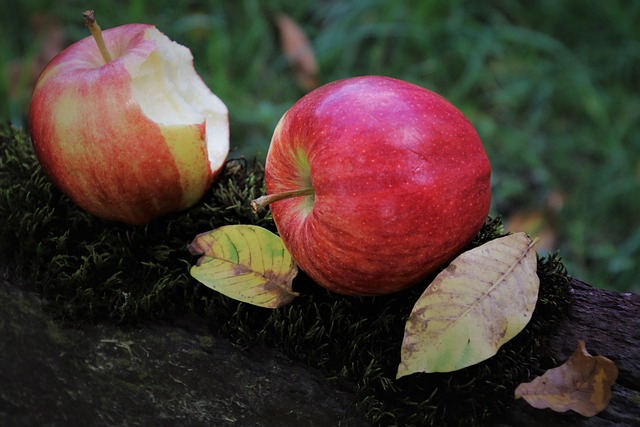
column 246, row 263
column 541, row 223
column 555, row 201
column 49, row 38
column 534, row 223
column 298, row 51
column 582, row 384
column 483, row 299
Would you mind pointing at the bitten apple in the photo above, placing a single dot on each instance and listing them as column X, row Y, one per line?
column 375, row 183
column 125, row 127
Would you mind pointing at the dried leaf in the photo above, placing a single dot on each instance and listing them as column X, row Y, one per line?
column 298, row 50
column 582, row 384
column 540, row 223
column 246, row 263
column 482, row 300
column 49, row 37
column 534, row 223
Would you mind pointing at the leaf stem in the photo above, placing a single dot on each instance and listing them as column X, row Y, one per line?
column 90, row 21
column 263, row 201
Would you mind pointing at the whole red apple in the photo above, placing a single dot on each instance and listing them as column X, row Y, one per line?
column 132, row 136
column 375, row 183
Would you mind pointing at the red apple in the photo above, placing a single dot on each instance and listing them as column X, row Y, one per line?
column 375, row 183
column 131, row 137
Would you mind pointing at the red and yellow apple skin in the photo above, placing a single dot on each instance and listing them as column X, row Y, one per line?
column 400, row 177
column 95, row 142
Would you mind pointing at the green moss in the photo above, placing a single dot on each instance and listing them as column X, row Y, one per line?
column 89, row 270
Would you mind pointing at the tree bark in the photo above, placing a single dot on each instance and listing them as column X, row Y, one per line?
column 155, row 374
column 609, row 323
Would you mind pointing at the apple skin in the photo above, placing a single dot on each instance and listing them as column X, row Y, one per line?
column 401, row 184
column 96, row 143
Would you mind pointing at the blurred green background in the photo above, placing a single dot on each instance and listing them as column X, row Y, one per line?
column 551, row 86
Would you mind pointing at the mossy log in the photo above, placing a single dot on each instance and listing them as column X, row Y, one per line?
column 160, row 373
column 156, row 374
column 99, row 289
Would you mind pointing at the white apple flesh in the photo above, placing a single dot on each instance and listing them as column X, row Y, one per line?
column 132, row 139
column 389, row 180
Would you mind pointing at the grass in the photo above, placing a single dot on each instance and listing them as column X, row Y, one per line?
column 551, row 87
column 88, row 270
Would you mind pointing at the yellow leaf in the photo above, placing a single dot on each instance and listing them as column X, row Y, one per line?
column 582, row 384
column 483, row 299
column 246, row 263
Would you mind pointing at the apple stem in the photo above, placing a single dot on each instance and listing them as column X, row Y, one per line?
column 90, row 21
column 263, row 201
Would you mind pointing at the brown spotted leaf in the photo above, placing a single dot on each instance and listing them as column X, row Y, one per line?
column 246, row 263
column 582, row 384
column 483, row 299
column 298, row 51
